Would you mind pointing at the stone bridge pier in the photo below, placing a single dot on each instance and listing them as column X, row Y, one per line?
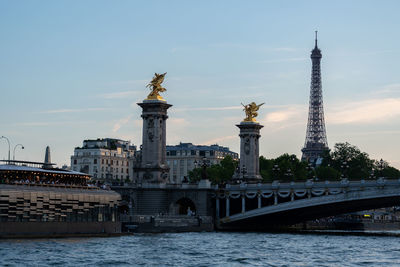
column 154, row 199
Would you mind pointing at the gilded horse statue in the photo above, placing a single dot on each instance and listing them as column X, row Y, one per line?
column 251, row 111
column 156, row 88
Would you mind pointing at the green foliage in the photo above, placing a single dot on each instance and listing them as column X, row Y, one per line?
column 345, row 160
column 327, row 173
column 285, row 168
column 217, row 173
column 353, row 164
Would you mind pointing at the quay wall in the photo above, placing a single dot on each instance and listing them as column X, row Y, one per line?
column 53, row 229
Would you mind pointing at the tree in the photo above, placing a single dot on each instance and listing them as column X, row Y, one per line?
column 353, row 164
column 217, row 173
column 285, row 168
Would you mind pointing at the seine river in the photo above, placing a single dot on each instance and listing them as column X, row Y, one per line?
column 205, row 249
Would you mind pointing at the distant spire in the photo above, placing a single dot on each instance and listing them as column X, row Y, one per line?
column 316, row 38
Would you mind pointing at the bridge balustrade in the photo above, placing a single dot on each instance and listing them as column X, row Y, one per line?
column 245, row 197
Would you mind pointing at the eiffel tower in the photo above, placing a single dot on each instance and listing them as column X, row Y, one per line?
column 316, row 142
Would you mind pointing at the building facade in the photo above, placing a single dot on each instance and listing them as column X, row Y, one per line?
column 185, row 157
column 105, row 159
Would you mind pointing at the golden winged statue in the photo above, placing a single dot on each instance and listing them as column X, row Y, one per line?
column 251, row 111
column 156, row 88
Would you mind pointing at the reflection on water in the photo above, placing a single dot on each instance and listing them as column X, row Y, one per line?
column 205, row 249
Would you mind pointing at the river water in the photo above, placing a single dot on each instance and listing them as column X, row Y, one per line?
column 205, row 249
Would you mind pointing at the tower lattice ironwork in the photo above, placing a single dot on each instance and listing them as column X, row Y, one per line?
column 316, row 142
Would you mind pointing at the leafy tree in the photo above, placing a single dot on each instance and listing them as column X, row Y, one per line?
column 327, row 173
column 216, row 173
column 285, row 168
column 353, row 164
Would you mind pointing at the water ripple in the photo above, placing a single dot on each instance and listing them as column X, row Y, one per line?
column 204, row 249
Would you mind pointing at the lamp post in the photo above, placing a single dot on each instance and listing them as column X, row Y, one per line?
column 344, row 167
column 289, row 174
column 381, row 166
column 22, row 147
column 8, row 141
column 204, row 165
column 275, row 171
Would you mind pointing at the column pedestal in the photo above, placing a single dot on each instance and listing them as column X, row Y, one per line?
column 249, row 152
column 152, row 166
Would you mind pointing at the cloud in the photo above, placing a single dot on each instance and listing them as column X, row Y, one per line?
column 254, row 47
column 207, row 108
column 176, row 122
column 388, row 89
column 364, row 112
column 34, row 124
column 119, row 94
column 285, row 49
column 131, row 82
column 72, row 110
column 284, row 60
column 120, row 123
column 220, row 139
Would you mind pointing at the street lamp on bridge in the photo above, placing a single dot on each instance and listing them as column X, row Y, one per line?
column 8, row 141
column 22, row 147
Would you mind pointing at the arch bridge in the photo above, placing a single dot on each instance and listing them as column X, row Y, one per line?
column 266, row 206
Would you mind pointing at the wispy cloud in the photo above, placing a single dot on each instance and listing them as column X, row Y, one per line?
column 53, row 123
column 285, row 115
column 131, row 82
column 120, row 123
column 364, row 112
column 220, row 139
column 72, row 110
column 254, row 47
column 284, row 60
column 177, row 122
column 117, row 95
column 388, row 89
column 207, row 108
column 285, row 49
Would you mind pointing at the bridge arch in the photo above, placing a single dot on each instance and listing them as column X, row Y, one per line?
column 185, row 206
column 314, row 201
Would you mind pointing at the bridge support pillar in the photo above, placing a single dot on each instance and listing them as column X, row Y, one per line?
column 227, row 206
column 243, row 204
column 275, row 198
column 259, row 201
column 153, row 167
column 249, row 152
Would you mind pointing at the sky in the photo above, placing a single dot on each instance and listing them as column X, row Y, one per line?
column 75, row 70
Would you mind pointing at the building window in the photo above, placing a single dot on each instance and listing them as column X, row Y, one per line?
column 75, row 161
column 193, row 152
column 102, row 161
column 95, row 161
column 202, row 153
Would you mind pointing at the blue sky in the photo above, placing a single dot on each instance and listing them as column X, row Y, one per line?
column 72, row 70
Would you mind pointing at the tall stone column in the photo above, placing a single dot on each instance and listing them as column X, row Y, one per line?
column 249, row 151
column 153, row 166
